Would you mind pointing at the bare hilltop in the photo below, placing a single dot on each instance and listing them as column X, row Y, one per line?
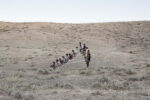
column 119, row 67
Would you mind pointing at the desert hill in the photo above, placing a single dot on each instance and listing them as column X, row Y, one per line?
column 119, row 68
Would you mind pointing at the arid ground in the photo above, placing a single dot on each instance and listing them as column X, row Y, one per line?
column 119, row 67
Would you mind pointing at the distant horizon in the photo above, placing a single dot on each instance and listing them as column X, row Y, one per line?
column 74, row 11
column 75, row 23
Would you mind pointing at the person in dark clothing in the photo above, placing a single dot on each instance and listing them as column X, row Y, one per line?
column 88, row 58
column 89, row 55
column 61, row 61
column 80, row 46
column 84, row 49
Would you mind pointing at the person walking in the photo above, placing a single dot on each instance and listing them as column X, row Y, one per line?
column 88, row 58
column 61, row 61
column 80, row 46
column 84, row 49
column 73, row 53
column 57, row 63
column 53, row 66
column 77, row 49
column 67, row 57
column 64, row 59
column 70, row 56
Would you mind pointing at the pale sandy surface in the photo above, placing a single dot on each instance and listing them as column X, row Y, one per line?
column 119, row 70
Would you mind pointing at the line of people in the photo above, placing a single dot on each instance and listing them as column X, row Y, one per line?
column 63, row 60
column 83, row 49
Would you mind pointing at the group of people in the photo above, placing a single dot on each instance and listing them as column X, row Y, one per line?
column 83, row 49
column 63, row 60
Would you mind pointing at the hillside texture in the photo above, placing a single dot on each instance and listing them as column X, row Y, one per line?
column 119, row 67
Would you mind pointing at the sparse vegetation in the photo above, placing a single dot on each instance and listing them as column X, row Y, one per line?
column 54, row 92
column 106, row 84
column 104, row 79
column 147, row 65
column 88, row 98
column 97, row 86
column 14, row 78
column 43, row 71
column 51, row 78
column 1, row 65
column 68, row 86
column 96, row 93
column 119, row 86
column 85, row 73
column 82, row 72
column 114, row 72
column 130, row 72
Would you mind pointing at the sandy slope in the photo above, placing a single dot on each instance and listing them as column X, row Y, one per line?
column 119, row 70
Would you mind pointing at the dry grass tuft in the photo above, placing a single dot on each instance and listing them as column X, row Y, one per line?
column 147, row 65
column 130, row 72
column 85, row 73
column 96, row 93
column 106, row 84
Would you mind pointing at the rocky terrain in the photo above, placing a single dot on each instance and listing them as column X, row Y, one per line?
column 119, row 67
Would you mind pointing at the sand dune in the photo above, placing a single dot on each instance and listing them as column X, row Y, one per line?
column 119, row 70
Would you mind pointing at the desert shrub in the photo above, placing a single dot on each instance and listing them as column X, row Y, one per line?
column 38, row 78
column 30, row 57
column 143, row 93
column 139, row 78
column 88, row 98
column 68, row 86
column 147, row 65
column 146, row 77
column 97, row 86
column 55, row 92
column 114, row 85
column 16, row 94
column 32, row 65
column 20, row 95
column 85, row 73
column 15, row 62
column 1, row 65
column 133, row 79
column 130, row 72
column 96, row 93
column 104, row 79
column 26, row 59
column 34, row 69
column 65, row 86
column 14, row 78
column 82, row 72
column 56, row 85
column 51, row 78
column 98, row 69
column 102, row 83
column 28, row 96
column 118, row 86
column 43, row 71
column 2, row 90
